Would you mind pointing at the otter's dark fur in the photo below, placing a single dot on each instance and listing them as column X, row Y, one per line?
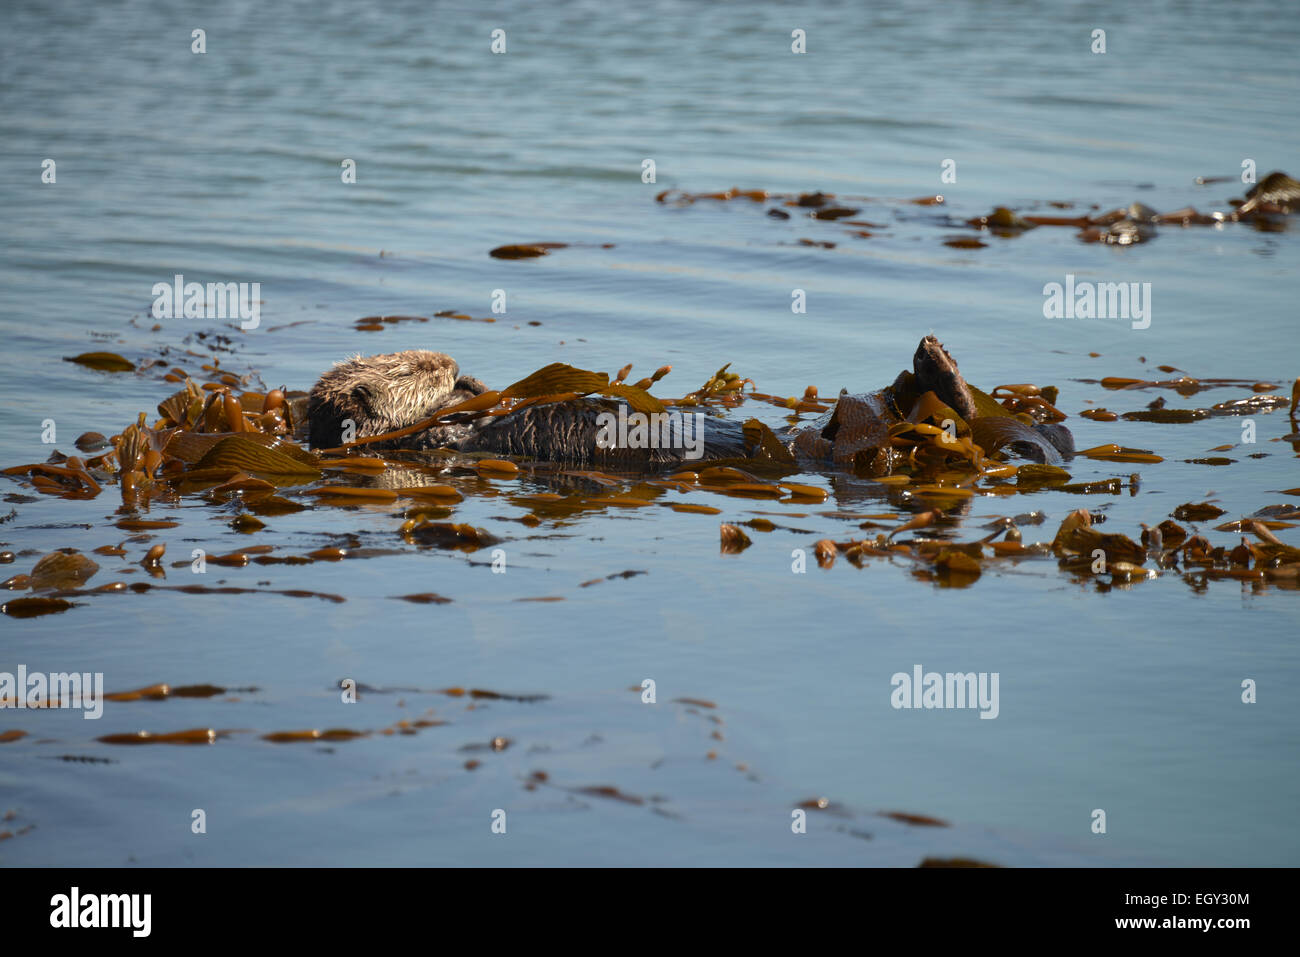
column 936, row 372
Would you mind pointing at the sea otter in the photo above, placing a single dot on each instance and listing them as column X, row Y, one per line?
column 383, row 393
column 370, row 396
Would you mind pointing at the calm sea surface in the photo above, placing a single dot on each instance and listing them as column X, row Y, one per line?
column 226, row 166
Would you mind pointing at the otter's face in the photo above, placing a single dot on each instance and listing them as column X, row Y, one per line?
column 409, row 386
column 430, row 385
column 380, row 393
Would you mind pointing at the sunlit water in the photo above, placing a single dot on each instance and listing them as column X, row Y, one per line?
column 226, row 166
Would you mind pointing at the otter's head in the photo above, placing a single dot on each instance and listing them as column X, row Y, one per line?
column 378, row 394
column 936, row 372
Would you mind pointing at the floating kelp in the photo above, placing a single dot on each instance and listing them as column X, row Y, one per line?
column 71, row 480
column 208, row 735
column 630, row 573
column 485, row 694
column 91, row 442
column 676, row 197
column 1084, row 551
column 1284, row 512
column 34, row 607
column 330, row 734
column 534, row 250
column 1276, row 190
column 161, row 692
column 1119, row 453
column 1166, row 415
column 103, row 361
column 734, row 540
column 608, row 792
column 808, row 493
column 1002, row 222
column 1251, row 404
column 524, row 251
column 834, row 212
column 1125, row 232
column 466, row 317
column 1197, row 512
column 1185, row 385
column 461, row 537
column 1266, row 207
column 695, row 508
column 916, row 820
column 1077, row 537
column 936, row 454
column 66, row 568
column 1041, row 474
column 379, row 323
column 1100, row 415
column 498, row 467
column 189, row 736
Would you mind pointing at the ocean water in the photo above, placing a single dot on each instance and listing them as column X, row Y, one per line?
column 226, row 166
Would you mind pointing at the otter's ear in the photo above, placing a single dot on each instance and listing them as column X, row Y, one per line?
column 364, row 396
column 468, row 383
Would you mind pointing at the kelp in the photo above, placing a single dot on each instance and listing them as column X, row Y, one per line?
column 1108, row 559
column 1120, row 453
column 226, row 444
column 524, row 250
column 1265, row 207
column 733, row 539
column 559, row 378
column 103, row 361
column 257, row 458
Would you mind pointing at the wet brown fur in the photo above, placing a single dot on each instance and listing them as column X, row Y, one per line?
column 936, row 372
column 383, row 393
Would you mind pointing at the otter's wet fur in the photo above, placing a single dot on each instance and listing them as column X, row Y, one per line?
column 383, row 393
column 936, row 372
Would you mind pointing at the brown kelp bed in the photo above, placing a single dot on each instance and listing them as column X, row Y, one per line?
column 1266, row 207
column 221, row 439
column 460, row 721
